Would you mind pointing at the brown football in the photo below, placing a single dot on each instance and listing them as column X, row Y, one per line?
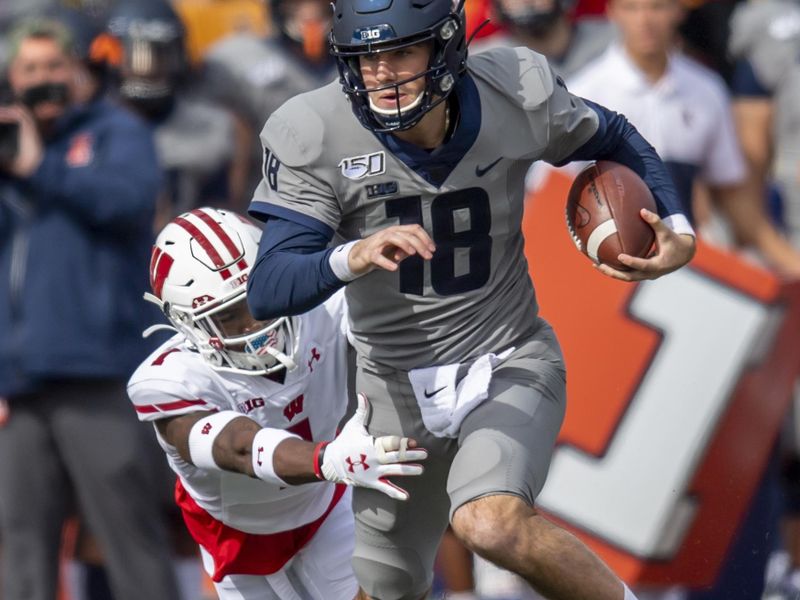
column 603, row 213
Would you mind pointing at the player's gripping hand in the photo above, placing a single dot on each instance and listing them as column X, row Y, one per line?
column 388, row 247
column 673, row 250
column 356, row 458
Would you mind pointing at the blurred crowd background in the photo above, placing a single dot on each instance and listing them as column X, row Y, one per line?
column 167, row 99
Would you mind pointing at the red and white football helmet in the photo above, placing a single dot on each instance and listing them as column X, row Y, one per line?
column 198, row 273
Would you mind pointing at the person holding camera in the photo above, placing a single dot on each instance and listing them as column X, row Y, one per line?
column 78, row 182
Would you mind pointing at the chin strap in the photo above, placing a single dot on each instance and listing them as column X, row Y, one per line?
column 281, row 358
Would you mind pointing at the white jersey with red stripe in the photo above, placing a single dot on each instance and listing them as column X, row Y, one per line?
column 310, row 402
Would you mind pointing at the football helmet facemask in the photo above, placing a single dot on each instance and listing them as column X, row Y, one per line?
column 153, row 59
column 198, row 273
column 362, row 27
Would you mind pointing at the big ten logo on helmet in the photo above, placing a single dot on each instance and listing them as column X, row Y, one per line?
column 250, row 405
column 240, row 280
column 367, row 165
column 237, row 282
column 649, row 467
column 375, row 33
column 270, row 169
column 371, row 34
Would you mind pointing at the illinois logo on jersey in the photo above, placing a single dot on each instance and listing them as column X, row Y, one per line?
column 81, row 150
column 366, row 165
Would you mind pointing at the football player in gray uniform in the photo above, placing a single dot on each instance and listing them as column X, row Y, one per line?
column 253, row 76
column 195, row 136
column 419, row 167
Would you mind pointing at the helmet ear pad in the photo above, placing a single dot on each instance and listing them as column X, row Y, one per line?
column 354, row 37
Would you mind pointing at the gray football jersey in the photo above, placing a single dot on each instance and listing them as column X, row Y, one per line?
column 195, row 146
column 767, row 34
column 255, row 75
column 475, row 295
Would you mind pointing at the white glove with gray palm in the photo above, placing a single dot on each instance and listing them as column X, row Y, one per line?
column 359, row 459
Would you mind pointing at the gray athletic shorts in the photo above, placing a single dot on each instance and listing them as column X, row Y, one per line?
column 504, row 447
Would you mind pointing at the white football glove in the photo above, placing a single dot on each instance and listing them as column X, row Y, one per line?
column 357, row 458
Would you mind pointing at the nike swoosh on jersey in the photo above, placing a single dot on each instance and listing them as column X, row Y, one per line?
column 480, row 172
column 434, row 392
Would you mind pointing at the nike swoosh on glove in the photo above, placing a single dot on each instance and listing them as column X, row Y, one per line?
column 359, row 459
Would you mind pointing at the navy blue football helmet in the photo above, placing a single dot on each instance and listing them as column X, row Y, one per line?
column 362, row 27
column 154, row 60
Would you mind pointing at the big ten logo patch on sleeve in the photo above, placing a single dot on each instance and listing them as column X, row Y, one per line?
column 667, row 433
column 81, row 150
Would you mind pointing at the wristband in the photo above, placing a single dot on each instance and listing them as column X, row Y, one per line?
column 319, row 454
column 202, row 436
column 338, row 260
column 264, row 444
column 679, row 224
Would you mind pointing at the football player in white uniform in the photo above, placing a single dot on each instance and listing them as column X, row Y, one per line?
column 243, row 411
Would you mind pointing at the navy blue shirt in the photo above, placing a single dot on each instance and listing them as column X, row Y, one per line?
column 75, row 240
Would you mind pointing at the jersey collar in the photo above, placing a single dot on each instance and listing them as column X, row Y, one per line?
column 435, row 166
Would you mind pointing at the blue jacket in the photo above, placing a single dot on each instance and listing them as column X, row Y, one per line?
column 75, row 240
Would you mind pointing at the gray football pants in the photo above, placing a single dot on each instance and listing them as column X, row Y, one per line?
column 504, row 447
column 80, row 438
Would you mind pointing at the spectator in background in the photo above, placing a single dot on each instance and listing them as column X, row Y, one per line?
column 546, row 26
column 253, row 76
column 194, row 136
column 765, row 40
column 705, row 31
column 684, row 110
column 76, row 209
column 765, row 37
